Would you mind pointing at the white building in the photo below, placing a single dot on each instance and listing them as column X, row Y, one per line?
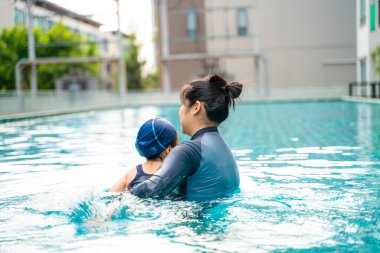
column 368, row 38
column 47, row 14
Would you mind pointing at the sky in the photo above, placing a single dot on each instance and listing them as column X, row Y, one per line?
column 136, row 16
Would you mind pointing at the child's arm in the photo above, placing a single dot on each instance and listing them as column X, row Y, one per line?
column 124, row 181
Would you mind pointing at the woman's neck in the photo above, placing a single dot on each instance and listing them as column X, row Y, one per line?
column 201, row 126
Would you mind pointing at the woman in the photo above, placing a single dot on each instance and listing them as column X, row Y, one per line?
column 203, row 167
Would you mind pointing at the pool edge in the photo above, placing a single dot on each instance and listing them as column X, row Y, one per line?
column 361, row 100
column 45, row 113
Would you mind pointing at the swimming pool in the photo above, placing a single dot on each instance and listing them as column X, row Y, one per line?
column 310, row 181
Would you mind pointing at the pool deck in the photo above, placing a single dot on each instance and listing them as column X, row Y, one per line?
column 45, row 103
column 361, row 99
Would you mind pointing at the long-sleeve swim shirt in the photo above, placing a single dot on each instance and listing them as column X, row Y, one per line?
column 202, row 168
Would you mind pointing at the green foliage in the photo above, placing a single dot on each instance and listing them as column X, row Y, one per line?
column 133, row 64
column 65, row 43
column 376, row 60
column 13, row 46
column 59, row 41
column 151, row 80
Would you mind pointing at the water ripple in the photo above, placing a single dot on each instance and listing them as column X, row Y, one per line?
column 309, row 184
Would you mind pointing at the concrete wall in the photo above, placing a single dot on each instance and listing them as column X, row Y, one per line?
column 179, row 42
column 6, row 14
column 183, row 71
column 362, row 41
column 222, row 31
column 308, row 43
column 221, row 26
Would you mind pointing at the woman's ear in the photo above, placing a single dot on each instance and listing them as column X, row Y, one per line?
column 197, row 106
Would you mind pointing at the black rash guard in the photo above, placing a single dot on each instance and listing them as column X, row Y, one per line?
column 203, row 168
column 141, row 176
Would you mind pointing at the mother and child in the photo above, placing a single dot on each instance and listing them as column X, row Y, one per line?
column 202, row 168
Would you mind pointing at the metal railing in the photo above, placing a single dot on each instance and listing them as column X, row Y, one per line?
column 364, row 89
column 46, row 100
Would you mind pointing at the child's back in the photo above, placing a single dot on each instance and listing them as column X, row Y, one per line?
column 155, row 139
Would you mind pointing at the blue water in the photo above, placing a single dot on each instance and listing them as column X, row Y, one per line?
column 310, row 182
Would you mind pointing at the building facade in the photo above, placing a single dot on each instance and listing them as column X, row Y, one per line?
column 46, row 14
column 266, row 44
column 368, row 38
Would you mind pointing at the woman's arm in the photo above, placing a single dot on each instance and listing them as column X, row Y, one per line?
column 124, row 181
column 181, row 162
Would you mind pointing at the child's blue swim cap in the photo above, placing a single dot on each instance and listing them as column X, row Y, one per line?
column 155, row 136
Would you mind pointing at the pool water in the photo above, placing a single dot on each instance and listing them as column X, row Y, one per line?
column 310, row 182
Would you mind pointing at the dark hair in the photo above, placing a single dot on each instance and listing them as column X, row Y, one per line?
column 216, row 94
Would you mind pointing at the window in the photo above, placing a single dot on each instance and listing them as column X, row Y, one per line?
column 362, row 12
column 19, row 16
column 39, row 22
column 192, row 25
column 104, row 45
column 92, row 37
column 242, row 22
column 43, row 23
column 373, row 16
column 50, row 24
column 363, row 70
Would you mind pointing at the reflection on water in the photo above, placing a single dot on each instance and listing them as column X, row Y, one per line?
column 309, row 182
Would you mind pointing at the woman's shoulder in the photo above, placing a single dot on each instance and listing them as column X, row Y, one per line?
column 188, row 150
column 189, row 145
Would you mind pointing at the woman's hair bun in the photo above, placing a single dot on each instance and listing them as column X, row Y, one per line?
column 234, row 89
column 216, row 79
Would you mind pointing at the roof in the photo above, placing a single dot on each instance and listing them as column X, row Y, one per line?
column 65, row 12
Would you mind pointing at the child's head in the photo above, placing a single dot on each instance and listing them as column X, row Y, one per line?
column 154, row 137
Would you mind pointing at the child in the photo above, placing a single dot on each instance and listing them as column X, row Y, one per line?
column 155, row 139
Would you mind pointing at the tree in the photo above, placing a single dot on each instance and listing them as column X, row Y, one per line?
column 376, row 60
column 59, row 41
column 134, row 65
column 150, row 81
column 65, row 43
column 13, row 47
